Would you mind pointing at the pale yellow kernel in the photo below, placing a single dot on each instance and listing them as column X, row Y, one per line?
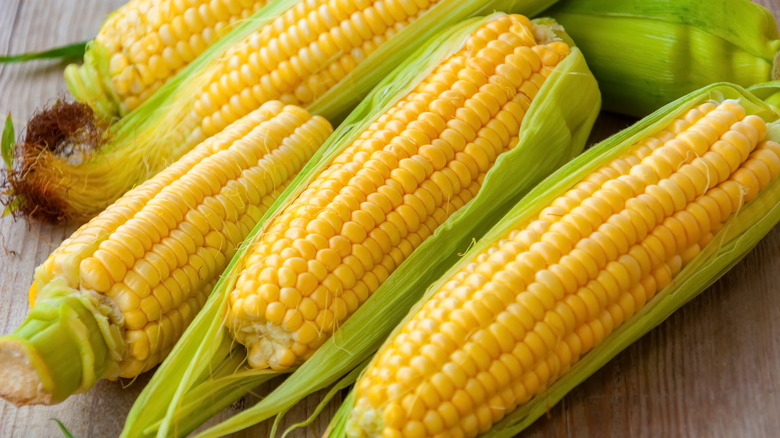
column 292, row 320
column 275, row 312
column 135, row 320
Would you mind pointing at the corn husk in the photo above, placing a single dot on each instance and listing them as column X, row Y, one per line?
column 646, row 53
column 769, row 92
column 737, row 237
column 554, row 130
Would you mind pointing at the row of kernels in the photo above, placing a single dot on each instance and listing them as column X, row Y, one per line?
column 600, row 208
column 105, row 266
column 115, row 215
column 285, row 71
column 194, row 278
column 148, row 48
column 148, row 345
column 618, row 169
column 632, row 301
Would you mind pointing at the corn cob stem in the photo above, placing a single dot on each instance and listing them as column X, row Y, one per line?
column 39, row 365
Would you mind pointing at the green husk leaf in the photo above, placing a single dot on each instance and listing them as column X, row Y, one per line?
column 7, row 142
column 738, row 236
column 338, row 424
column 90, row 83
column 666, row 49
column 66, row 52
column 12, row 207
column 769, row 92
column 340, row 385
column 63, row 429
column 555, row 129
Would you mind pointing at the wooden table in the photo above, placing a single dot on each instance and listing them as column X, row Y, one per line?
column 711, row 370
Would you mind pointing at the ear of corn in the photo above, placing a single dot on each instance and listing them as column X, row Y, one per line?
column 387, row 192
column 113, row 299
column 146, row 42
column 554, row 127
column 597, row 255
column 646, row 53
column 324, row 55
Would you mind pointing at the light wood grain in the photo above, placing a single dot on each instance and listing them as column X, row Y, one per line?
column 712, row 369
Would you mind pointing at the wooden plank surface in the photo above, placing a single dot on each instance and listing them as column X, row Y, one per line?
column 712, row 369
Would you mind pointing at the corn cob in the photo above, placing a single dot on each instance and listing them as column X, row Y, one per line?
column 321, row 54
column 146, row 42
column 388, row 183
column 555, row 280
column 667, row 49
column 136, row 275
column 386, row 193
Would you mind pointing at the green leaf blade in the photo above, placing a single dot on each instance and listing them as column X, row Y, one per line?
column 64, row 429
column 66, row 52
column 7, row 142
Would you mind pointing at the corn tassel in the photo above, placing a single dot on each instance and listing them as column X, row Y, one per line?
column 596, row 256
column 266, row 302
column 321, row 54
column 646, row 53
column 113, row 299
